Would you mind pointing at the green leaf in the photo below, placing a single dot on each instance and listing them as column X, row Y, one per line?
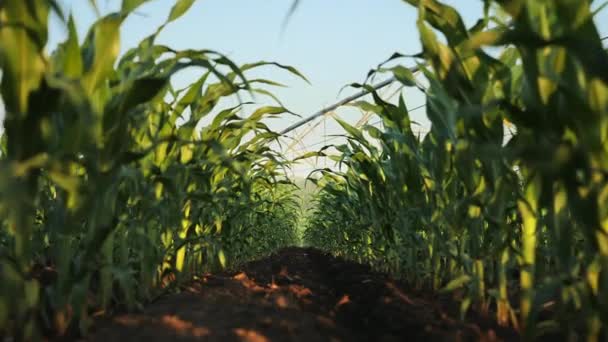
column 404, row 75
column 443, row 18
column 374, row 132
column 129, row 6
column 21, row 52
column 179, row 9
column 142, row 91
column 456, row 283
column 222, row 258
column 310, row 155
column 57, row 9
column 101, row 51
column 367, row 107
column 267, row 110
column 180, row 257
column 32, row 293
column 93, row 3
column 191, row 96
column 288, row 68
column 352, row 131
column 68, row 54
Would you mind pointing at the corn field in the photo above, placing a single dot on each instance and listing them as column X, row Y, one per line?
column 115, row 187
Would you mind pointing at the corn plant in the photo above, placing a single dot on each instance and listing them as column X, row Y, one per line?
column 516, row 223
column 112, row 191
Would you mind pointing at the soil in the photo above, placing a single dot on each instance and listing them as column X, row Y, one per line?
column 298, row 294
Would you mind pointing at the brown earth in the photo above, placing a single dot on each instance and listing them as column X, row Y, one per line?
column 298, row 294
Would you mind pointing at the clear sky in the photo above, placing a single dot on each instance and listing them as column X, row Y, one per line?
column 333, row 42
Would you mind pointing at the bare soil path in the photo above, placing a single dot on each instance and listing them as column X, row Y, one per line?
column 297, row 294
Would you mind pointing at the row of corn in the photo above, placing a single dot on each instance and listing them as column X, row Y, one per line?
column 505, row 200
column 113, row 188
